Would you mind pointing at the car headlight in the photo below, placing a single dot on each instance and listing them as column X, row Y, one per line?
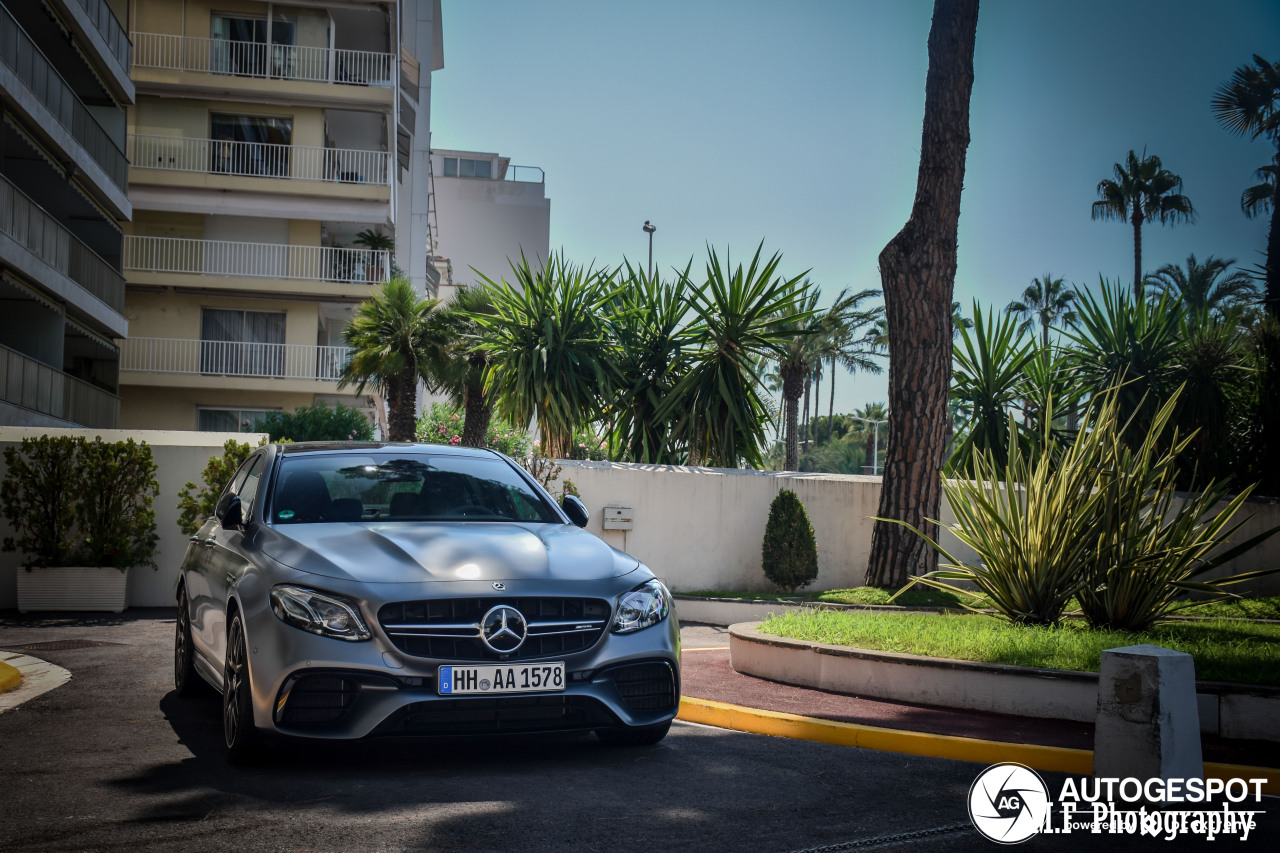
column 647, row 604
column 322, row 613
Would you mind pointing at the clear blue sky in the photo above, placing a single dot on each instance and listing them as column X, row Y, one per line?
column 737, row 121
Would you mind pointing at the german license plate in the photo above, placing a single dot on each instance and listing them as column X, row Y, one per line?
column 503, row 678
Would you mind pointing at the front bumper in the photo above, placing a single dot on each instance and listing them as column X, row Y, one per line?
column 310, row 686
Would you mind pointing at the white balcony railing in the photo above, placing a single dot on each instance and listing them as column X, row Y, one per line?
column 233, row 358
column 259, row 159
column 266, row 61
column 255, row 260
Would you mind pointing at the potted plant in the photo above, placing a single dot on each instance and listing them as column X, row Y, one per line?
column 81, row 512
column 374, row 240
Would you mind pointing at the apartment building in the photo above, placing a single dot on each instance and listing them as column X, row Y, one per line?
column 279, row 168
column 489, row 211
column 64, row 90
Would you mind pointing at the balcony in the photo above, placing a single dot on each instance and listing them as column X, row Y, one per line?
column 110, row 28
column 255, row 260
column 263, row 61
column 35, row 229
column 233, row 358
column 20, row 56
column 33, row 385
column 259, row 160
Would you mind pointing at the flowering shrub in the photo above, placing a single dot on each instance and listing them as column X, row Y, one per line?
column 442, row 424
column 588, row 446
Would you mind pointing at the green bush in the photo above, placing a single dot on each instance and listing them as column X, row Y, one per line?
column 78, row 503
column 1100, row 520
column 195, row 504
column 443, row 424
column 789, row 554
column 317, row 422
column 39, row 498
column 118, row 485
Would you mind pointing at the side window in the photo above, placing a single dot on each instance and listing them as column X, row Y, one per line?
column 237, row 479
column 248, row 490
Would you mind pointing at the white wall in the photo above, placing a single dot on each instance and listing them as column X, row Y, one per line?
column 180, row 457
column 702, row 528
column 484, row 222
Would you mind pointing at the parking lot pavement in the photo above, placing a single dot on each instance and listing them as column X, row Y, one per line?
column 114, row 760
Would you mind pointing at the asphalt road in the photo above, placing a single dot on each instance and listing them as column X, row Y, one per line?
column 113, row 760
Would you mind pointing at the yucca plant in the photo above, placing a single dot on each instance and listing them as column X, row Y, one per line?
column 550, row 351
column 990, row 370
column 1152, row 543
column 1030, row 522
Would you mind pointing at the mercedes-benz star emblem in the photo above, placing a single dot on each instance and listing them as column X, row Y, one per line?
column 499, row 586
column 503, row 629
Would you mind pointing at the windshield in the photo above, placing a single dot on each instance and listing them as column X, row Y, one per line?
column 411, row 486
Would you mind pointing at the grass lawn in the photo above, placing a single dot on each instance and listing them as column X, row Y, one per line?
column 1224, row 650
column 1265, row 607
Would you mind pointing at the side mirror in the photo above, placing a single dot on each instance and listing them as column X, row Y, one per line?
column 575, row 509
column 229, row 513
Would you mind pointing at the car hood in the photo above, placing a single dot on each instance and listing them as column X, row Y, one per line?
column 412, row 552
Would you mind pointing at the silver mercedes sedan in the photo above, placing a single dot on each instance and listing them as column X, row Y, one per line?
column 348, row 590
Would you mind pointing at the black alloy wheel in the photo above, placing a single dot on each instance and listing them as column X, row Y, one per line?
column 241, row 737
column 186, row 681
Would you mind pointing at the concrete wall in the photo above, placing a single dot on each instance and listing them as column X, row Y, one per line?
column 702, row 528
column 180, row 457
column 484, row 222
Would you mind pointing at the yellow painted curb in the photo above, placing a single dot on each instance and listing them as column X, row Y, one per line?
column 1052, row 758
column 9, row 677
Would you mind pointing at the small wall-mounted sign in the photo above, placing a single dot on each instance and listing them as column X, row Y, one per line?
column 618, row 518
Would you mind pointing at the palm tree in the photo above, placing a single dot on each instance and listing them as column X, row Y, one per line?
column 1046, row 300
column 843, row 343
column 1198, row 286
column 550, row 354
column 742, row 317
column 1249, row 105
column 393, row 343
column 801, row 351
column 459, row 369
column 1142, row 190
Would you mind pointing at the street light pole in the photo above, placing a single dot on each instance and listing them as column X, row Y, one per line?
column 875, row 432
column 649, row 229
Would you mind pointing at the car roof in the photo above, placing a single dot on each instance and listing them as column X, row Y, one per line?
column 379, row 447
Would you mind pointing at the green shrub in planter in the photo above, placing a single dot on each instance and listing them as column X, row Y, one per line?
column 39, row 498
column 117, row 487
column 195, row 503
column 789, row 553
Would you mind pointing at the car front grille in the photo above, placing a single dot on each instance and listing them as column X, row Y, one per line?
column 645, row 686
column 507, row 715
column 449, row 628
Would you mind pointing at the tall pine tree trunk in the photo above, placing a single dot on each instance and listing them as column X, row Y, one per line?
column 918, row 268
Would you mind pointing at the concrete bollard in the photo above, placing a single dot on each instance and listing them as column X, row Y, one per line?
column 1148, row 723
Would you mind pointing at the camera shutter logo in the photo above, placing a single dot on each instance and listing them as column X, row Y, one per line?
column 1008, row 803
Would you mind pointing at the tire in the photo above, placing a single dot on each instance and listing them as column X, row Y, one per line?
column 244, row 744
column 639, row 736
column 186, row 681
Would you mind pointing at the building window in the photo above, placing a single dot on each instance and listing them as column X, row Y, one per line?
column 239, row 46
column 455, row 167
column 241, row 343
column 219, row 419
column 250, row 145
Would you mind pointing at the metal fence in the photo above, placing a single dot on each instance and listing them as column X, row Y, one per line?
column 233, row 358
column 259, row 159
column 255, row 260
column 267, row 61
column 110, row 28
column 29, row 224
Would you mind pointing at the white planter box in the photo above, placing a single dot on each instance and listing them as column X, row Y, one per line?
column 71, row 588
